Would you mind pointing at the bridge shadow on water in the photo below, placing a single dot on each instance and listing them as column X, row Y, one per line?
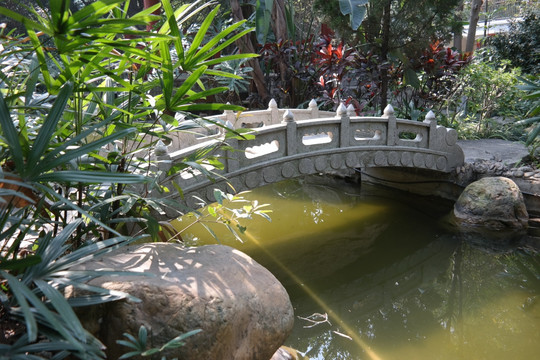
column 375, row 274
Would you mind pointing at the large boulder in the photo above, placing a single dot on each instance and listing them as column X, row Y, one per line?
column 492, row 202
column 242, row 309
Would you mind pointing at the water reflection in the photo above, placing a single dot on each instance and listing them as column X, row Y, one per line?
column 394, row 282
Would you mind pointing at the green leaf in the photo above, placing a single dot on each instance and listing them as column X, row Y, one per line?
column 167, row 79
column 43, row 63
column 91, row 177
column 411, row 78
column 199, row 37
column 175, row 31
column 208, row 107
column 533, row 135
column 205, row 52
column 50, row 161
column 263, row 16
column 49, row 126
column 10, row 135
column 19, row 291
column 150, row 352
column 187, row 85
column 228, row 58
column 93, row 11
column 20, row 264
column 356, row 9
column 143, row 335
column 28, row 23
column 60, row 304
column 180, row 339
column 129, row 354
column 32, row 81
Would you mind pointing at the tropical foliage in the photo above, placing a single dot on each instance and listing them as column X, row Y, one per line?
column 521, row 43
column 84, row 98
column 533, row 121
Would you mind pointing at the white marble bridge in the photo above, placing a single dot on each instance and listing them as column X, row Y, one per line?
column 292, row 143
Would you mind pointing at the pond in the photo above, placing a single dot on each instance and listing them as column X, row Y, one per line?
column 378, row 274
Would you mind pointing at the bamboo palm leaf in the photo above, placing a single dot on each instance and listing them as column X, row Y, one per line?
column 227, row 58
column 216, row 44
column 49, row 126
column 50, row 162
column 60, row 304
column 91, row 177
column 199, row 37
column 19, row 290
column 167, row 78
column 70, row 205
column 89, row 13
column 201, row 107
column 204, row 94
column 28, row 23
column 187, row 85
column 174, row 30
column 10, row 134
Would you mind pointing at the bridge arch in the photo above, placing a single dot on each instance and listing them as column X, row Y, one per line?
column 336, row 144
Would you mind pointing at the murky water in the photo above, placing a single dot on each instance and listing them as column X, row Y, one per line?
column 375, row 274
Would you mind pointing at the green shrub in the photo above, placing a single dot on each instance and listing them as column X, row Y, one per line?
column 521, row 44
column 485, row 95
column 79, row 118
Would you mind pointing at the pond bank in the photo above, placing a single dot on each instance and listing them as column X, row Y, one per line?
column 483, row 158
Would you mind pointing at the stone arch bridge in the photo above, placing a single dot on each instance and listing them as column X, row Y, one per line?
column 292, row 143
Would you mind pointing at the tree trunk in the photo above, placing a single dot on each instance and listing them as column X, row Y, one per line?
column 473, row 22
column 246, row 46
column 279, row 26
column 279, row 22
column 385, row 46
column 147, row 4
column 458, row 34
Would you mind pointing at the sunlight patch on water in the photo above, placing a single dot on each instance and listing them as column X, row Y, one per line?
column 394, row 283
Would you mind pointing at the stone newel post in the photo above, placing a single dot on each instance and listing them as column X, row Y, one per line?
column 288, row 119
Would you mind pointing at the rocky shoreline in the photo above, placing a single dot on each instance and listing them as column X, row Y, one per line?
column 483, row 158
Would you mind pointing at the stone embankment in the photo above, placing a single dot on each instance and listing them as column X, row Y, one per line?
column 493, row 157
column 483, row 158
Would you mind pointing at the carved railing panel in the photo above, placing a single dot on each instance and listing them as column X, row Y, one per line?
column 335, row 144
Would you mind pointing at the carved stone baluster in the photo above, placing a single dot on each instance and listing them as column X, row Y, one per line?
column 430, row 119
column 164, row 162
column 391, row 132
column 292, row 145
column 345, row 125
column 230, row 117
column 274, row 113
column 350, row 110
column 314, row 109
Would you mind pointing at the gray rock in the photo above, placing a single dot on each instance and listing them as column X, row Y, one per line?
column 492, row 202
column 242, row 309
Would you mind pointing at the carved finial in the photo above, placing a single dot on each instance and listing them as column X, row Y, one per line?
column 430, row 116
column 160, row 149
column 288, row 116
column 272, row 104
column 388, row 110
column 341, row 110
column 350, row 110
column 312, row 104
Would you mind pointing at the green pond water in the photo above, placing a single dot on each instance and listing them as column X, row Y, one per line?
column 376, row 274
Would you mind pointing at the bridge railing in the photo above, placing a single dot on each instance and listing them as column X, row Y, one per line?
column 249, row 119
column 342, row 141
